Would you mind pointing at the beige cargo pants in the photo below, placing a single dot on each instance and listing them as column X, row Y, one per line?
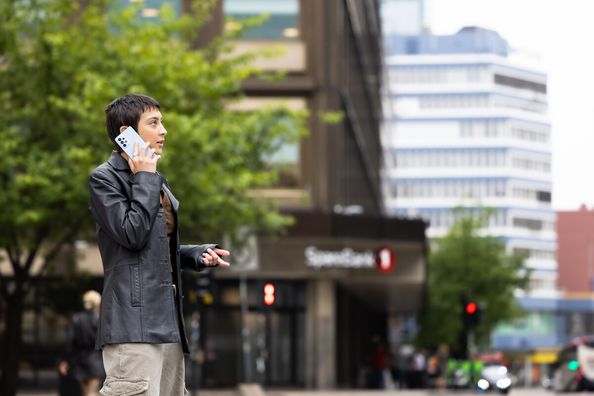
column 144, row 369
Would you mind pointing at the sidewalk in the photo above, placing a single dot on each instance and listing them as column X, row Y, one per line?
column 275, row 392
column 234, row 392
column 278, row 393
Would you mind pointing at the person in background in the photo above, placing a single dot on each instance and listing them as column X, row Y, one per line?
column 443, row 355
column 379, row 362
column 82, row 361
column 419, row 374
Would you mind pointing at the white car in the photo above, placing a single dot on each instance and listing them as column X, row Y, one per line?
column 495, row 378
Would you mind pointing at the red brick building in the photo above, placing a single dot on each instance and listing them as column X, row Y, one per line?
column 575, row 251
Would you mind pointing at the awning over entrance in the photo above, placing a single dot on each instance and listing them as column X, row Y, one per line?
column 381, row 260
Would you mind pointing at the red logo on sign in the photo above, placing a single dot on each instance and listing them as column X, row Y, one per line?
column 385, row 259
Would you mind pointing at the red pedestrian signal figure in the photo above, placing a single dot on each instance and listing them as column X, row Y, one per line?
column 269, row 294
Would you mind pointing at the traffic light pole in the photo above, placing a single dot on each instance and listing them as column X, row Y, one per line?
column 470, row 318
column 462, row 350
column 471, row 344
column 245, row 331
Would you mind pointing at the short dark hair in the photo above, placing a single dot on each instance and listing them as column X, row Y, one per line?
column 127, row 110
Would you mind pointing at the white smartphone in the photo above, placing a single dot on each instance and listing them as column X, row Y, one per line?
column 127, row 139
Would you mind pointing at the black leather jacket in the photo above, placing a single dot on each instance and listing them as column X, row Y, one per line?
column 139, row 290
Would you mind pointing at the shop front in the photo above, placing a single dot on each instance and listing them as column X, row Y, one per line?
column 300, row 310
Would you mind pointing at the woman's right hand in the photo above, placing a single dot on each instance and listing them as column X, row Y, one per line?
column 144, row 159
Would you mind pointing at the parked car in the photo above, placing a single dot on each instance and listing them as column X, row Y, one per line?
column 574, row 370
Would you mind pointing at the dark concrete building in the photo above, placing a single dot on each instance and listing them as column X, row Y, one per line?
column 344, row 272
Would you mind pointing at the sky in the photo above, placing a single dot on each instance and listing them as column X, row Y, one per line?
column 559, row 36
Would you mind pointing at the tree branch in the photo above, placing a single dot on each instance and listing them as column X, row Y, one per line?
column 12, row 257
column 17, row 246
column 14, row 254
column 3, row 287
column 75, row 17
column 13, row 250
column 51, row 254
column 23, row 276
column 41, row 235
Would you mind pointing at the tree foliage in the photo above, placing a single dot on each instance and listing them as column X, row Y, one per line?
column 61, row 63
column 466, row 263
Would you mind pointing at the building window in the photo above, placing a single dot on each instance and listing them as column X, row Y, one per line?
column 446, row 217
column 286, row 163
column 520, row 84
column 455, row 158
column 461, row 188
column 530, row 224
column 151, row 9
column 480, row 128
column 530, row 164
column 284, row 158
column 543, row 196
column 535, row 253
column 282, row 22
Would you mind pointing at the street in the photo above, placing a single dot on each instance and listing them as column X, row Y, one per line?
column 513, row 392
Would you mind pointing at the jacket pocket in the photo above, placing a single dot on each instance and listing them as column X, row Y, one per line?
column 124, row 386
column 135, row 285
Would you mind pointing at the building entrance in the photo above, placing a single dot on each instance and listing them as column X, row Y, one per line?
column 275, row 354
column 361, row 327
column 265, row 345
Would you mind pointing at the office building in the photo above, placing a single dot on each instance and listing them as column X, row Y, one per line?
column 331, row 300
column 471, row 129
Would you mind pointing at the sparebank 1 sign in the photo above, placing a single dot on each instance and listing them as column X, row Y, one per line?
column 383, row 259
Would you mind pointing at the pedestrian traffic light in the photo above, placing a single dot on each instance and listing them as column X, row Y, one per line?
column 471, row 308
column 471, row 313
column 269, row 297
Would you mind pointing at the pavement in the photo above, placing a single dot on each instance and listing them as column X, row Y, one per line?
column 233, row 392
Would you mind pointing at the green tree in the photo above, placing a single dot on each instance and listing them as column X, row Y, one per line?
column 465, row 263
column 61, row 62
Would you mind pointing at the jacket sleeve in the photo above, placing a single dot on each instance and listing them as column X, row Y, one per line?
column 191, row 255
column 127, row 219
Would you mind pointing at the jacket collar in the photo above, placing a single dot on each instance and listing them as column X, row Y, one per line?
column 172, row 199
column 118, row 162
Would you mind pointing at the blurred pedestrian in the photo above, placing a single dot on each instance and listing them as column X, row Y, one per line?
column 443, row 355
column 379, row 363
column 141, row 328
column 432, row 370
column 82, row 361
column 419, row 369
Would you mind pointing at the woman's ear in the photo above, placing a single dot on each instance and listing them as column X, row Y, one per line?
column 123, row 128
